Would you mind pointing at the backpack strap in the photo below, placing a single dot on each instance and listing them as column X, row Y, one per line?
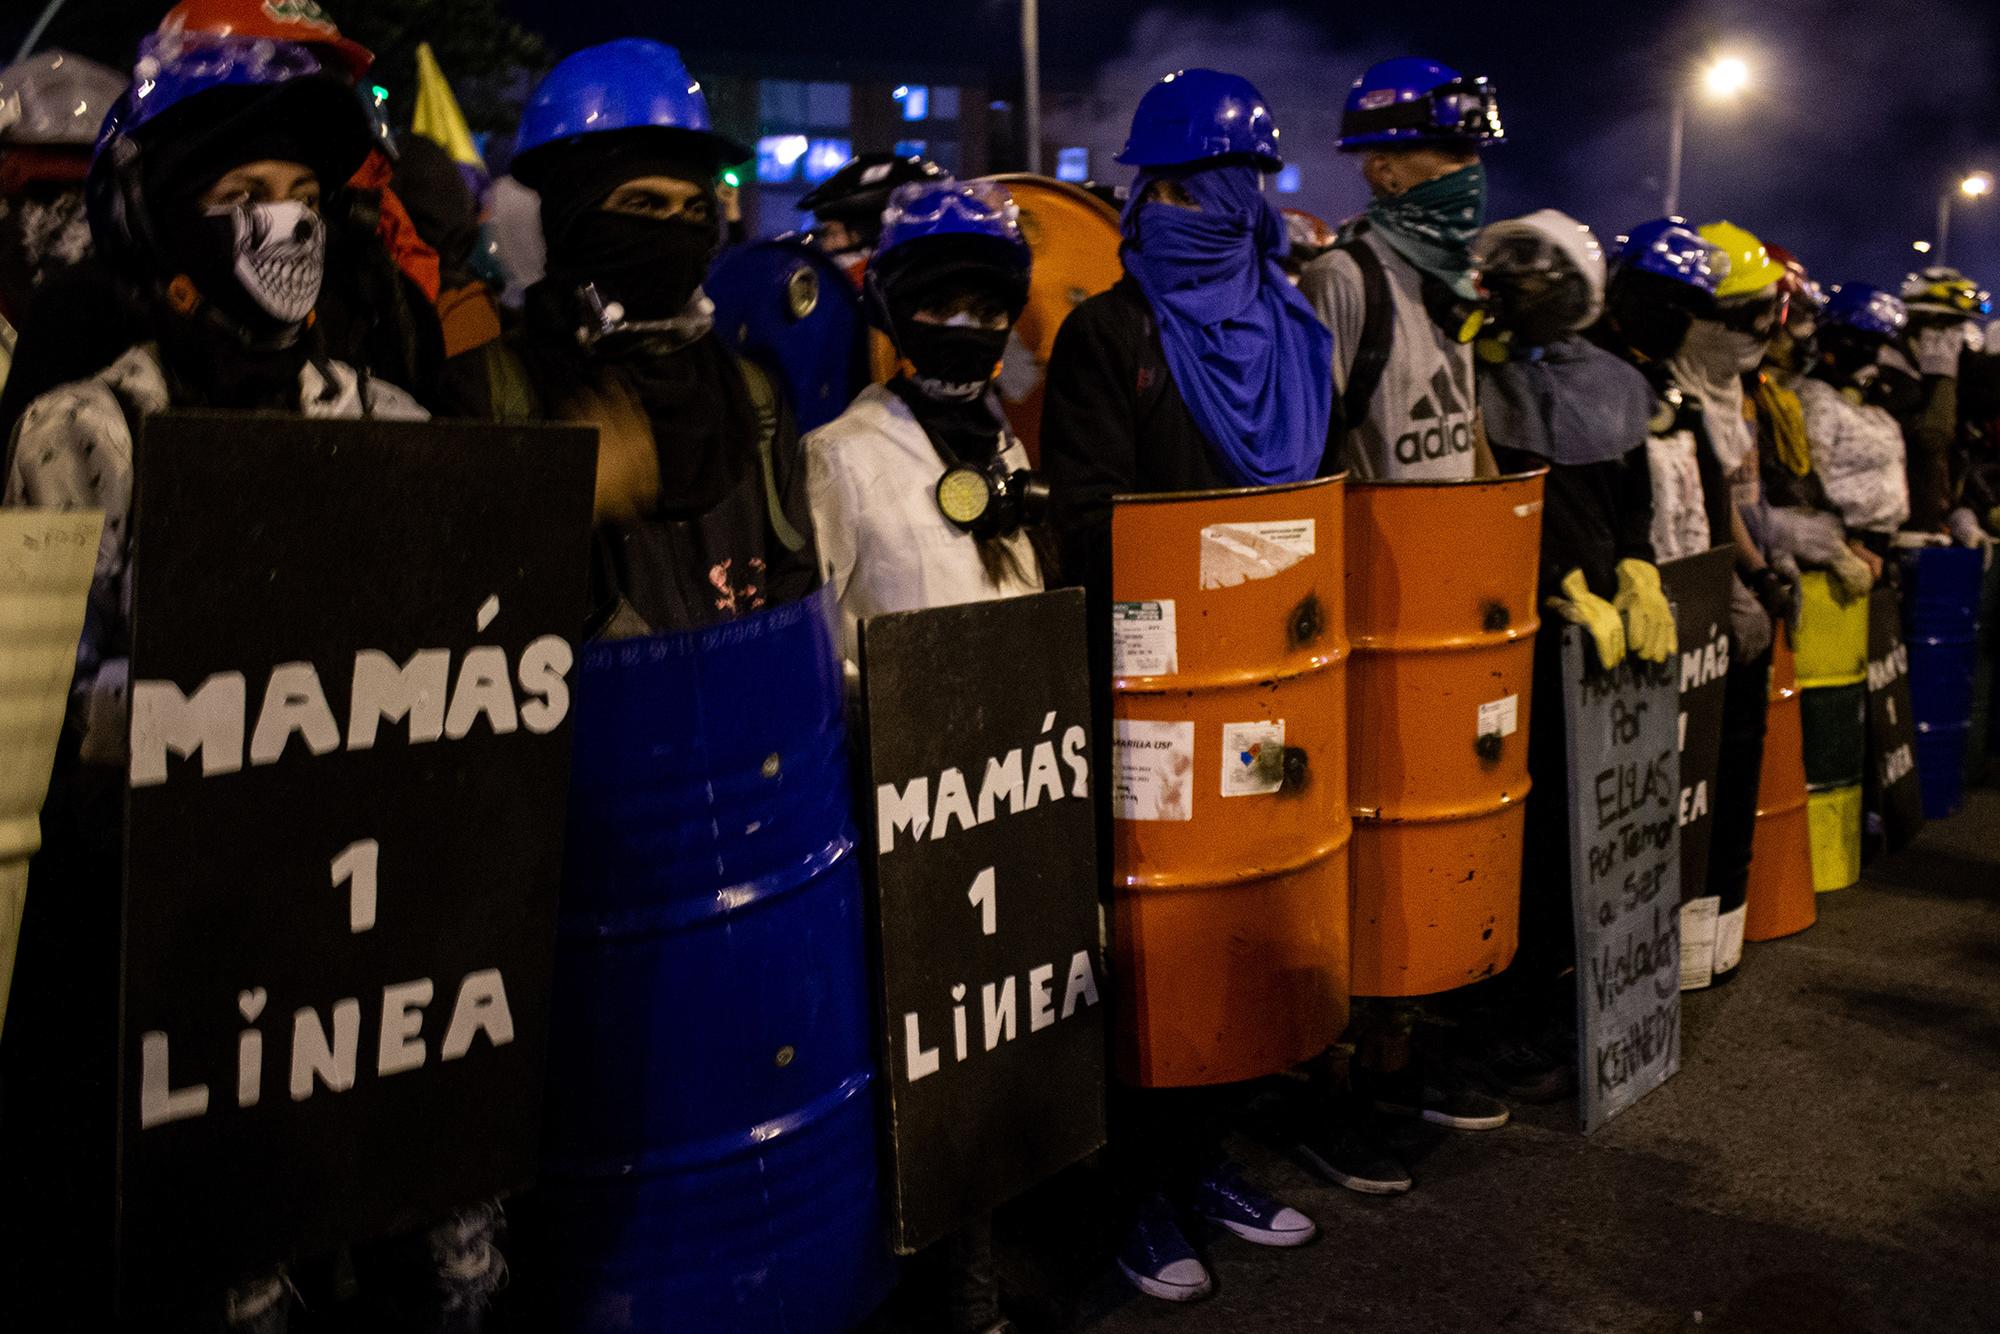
column 1378, row 330
column 764, row 408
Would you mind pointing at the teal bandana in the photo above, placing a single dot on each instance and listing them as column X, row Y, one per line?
column 1432, row 226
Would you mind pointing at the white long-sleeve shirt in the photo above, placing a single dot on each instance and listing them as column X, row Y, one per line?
column 884, row 545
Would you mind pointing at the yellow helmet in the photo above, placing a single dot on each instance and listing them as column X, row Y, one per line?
column 1751, row 268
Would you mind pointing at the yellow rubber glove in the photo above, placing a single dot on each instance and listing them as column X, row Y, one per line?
column 1649, row 619
column 1594, row 614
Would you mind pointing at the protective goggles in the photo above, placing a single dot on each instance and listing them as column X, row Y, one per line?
column 927, row 204
column 1461, row 109
column 1762, row 316
column 1961, row 297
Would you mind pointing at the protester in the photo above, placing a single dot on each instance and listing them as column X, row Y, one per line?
column 1398, row 290
column 701, row 494
column 1920, row 374
column 1550, row 399
column 921, row 495
column 1857, row 446
column 1202, row 368
column 446, row 216
column 51, row 291
column 204, row 197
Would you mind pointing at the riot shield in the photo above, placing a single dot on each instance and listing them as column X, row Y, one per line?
column 1441, row 580
column 1228, row 782
column 712, row 1156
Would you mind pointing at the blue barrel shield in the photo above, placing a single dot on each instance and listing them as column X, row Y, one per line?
column 712, row 1152
column 788, row 307
column 1941, row 617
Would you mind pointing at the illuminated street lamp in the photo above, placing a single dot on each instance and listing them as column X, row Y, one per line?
column 1974, row 185
column 1721, row 80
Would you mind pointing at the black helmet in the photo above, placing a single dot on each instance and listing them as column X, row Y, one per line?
column 857, row 193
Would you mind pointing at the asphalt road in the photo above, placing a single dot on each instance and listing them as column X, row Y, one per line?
column 1827, row 1159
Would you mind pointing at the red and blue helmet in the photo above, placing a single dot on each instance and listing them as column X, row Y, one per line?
column 1194, row 116
column 629, row 84
column 1866, row 308
column 1411, row 101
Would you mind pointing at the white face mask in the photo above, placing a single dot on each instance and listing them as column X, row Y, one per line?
column 280, row 256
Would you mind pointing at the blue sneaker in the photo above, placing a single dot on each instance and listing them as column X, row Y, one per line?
column 1157, row 1258
column 1224, row 1197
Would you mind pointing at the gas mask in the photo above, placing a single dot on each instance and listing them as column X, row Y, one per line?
column 640, row 273
column 275, row 255
column 992, row 500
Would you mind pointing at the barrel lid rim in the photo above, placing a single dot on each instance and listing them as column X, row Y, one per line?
column 1413, row 483
column 1224, row 493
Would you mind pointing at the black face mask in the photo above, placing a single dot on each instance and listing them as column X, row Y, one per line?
column 1845, row 353
column 952, row 362
column 647, row 267
column 1653, row 329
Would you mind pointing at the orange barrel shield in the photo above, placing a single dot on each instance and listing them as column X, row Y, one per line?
column 1441, row 580
column 1780, row 893
column 1229, row 782
column 1833, row 707
column 1074, row 238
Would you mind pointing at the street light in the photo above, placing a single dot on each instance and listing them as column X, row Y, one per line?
column 1974, row 185
column 1722, row 80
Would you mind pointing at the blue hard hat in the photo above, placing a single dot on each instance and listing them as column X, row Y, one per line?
column 1865, row 307
column 1411, row 100
column 1671, row 248
column 932, row 229
column 172, row 69
column 629, row 84
column 1196, row 114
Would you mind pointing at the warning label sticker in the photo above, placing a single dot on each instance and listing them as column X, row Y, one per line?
column 1152, row 770
column 1236, row 553
column 1143, row 642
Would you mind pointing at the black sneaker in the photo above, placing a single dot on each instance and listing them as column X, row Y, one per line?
column 1343, row 1151
column 1525, row 1071
column 1444, row 1100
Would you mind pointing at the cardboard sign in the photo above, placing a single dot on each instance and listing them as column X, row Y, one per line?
column 987, row 902
column 46, row 560
column 1890, row 784
column 1698, row 587
column 1624, row 774
column 352, row 658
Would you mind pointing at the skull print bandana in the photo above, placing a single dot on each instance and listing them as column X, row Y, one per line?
column 280, row 256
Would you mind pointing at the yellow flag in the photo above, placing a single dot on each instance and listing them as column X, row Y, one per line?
column 437, row 116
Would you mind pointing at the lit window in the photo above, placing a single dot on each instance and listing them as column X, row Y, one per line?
column 781, row 102
column 828, row 105
column 1288, row 181
column 826, row 156
column 778, row 157
column 1073, row 164
column 944, row 104
column 913, row 148
column 916, row 100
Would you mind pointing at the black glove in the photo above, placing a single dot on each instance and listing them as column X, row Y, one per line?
column 1778, row 595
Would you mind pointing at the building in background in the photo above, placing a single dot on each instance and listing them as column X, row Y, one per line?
column 805, row 120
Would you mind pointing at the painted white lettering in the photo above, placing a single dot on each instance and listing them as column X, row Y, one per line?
column 209, row 722
column 953, row 803
column 544, row 666
column 910, row 809
column 314, row 1056
column 919, row 1060
column 1082, row 983
column 402, row 1046
column 481, row 1007
column 998, row 1004
column 293, row 702
column 159, row 1101
column 1041, row 997
column 483, row 688
column 383, row 692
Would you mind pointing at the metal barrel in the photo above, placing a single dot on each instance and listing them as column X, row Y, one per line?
column 1074, row 237
column 1979, row 735
column 711, row 1153
column 788, row 307
column 1941, row 629
column 1833, row 707
column 1779, row 897
column 1229, row 850
column 1441, row 611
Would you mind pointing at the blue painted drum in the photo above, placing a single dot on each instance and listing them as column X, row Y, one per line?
column 789, row 308
column 1941, row 611
column 711, row 1159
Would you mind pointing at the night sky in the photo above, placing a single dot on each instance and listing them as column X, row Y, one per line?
column 1859, row 118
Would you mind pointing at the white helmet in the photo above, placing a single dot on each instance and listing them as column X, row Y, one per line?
column 1547, row 262
column 56, row 99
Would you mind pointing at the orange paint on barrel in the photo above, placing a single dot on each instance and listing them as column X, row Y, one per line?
column 1781, row 901
column 1074, row 238
column 1230, row 935
column 1441, row 583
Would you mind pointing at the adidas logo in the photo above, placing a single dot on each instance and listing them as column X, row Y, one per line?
column 1439, row 441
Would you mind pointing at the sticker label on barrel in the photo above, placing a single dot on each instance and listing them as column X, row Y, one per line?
column 1699, row 940
column 1253, row 758
column 1729, row 939
column 1152, row 770
column 1143, row 642
column 1236, row 553
column 1500, row 717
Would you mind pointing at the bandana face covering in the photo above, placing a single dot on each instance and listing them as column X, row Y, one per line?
column 278, row 256
column 1432, row 225
column 954, row 361
column 648, row 268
